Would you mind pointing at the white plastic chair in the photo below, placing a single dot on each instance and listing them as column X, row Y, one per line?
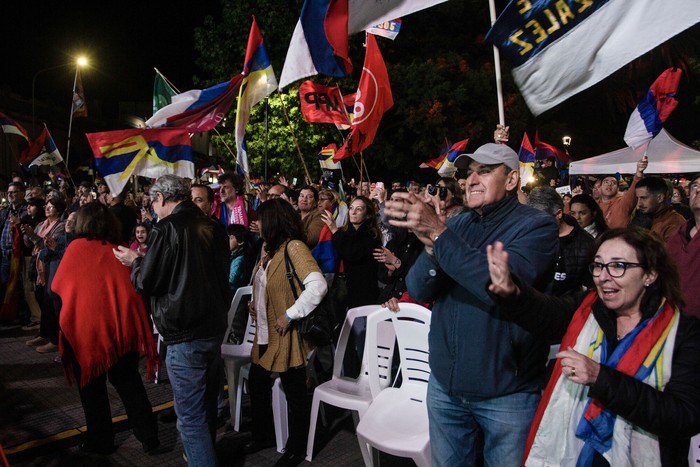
column 397, row 419
column 694, row 453
column 236, row 356
column 348, row 393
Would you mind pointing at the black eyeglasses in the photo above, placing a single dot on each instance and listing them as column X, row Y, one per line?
column 614, row 268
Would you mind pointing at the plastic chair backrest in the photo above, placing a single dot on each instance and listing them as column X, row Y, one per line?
column 241, row 293
column 351, row 315
column 411, row 325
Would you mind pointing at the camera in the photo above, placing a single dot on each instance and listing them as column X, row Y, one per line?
column 441, row 191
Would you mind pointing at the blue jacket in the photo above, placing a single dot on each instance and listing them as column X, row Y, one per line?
column 474, row 351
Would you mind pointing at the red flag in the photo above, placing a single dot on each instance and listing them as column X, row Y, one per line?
column 79, row 104
column 324, row 104
column 544, row 150
column 372, row 100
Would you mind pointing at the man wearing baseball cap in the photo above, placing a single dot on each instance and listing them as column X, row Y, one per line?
column 486, row 372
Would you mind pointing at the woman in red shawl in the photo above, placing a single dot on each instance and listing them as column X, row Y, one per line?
column 104, row 328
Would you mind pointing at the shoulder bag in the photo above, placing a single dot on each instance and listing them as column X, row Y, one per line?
column 315, row 328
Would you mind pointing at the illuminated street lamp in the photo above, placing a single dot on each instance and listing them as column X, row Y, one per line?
column 566, row 140
column 80, row 62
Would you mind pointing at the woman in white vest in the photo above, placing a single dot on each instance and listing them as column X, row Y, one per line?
column 625, row 389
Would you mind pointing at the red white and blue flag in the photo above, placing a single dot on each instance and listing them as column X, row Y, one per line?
column 146, row 152
column 11, row 127
column 319, row 44
column 649, row 116
column 198, row 110
column 41, row 151
column 526, row 153
column 447, row 168
column 258, row 82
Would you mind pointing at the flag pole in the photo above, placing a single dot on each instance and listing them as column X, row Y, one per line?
column 296, row 143
column 497, row 69
column 70, row 122
column 266, row 136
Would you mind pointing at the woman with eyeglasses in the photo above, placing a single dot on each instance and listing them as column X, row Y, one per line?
column 625, row 389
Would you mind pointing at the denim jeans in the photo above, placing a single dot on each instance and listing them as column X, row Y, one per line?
column 455, row 421
column 193, row 369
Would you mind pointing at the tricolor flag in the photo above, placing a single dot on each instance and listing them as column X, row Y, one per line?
column 198, row 110
column 258, row 82
column 319, row 44
column 373, row 98
column 439, row 160
column 325, row 104
column 41, row 151
column 558, row 48
column 526, row 153
column 325, row 157
column 11, row 127
column 146, row 152
column 648, row 118
column 448, row 169
column 79, row 107
column 163, row 91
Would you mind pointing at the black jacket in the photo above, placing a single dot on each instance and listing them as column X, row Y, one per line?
column 571, row 270
column 185, row 274
column 673, row 415
column 406, row 247
column 355, row 248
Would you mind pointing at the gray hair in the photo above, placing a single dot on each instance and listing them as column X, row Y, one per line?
column 172, row 187
column 545, row 199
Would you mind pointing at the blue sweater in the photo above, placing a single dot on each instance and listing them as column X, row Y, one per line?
column 474, row 351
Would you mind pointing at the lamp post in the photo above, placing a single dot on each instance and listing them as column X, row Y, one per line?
column 34, row 86
column 80, row 62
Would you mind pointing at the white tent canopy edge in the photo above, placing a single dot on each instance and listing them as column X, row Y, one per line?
column 666, row 155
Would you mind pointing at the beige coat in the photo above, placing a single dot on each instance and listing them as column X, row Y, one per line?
column 288, row 351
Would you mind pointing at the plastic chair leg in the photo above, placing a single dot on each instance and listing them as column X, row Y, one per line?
column 280, row 414
column 233, row 367
column 366, row 451
column 242, row 378
column 315, row 407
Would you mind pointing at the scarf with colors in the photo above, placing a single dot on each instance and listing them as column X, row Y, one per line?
column 569, row 426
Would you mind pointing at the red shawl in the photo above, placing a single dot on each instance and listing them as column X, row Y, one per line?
column 102, row 317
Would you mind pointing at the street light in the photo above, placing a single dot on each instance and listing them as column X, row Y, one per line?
column 567, row 141
column 80, row 62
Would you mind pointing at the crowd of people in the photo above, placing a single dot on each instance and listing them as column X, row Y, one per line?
column 605, row 271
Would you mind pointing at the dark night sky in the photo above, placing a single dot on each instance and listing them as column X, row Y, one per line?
column 123, row 40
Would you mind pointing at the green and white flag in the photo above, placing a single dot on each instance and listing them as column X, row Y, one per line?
column 163, row 91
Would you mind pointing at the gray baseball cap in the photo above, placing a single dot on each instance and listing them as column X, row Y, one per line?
column 489, row 154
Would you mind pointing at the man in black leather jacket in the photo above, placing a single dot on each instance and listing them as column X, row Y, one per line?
column 185, row 275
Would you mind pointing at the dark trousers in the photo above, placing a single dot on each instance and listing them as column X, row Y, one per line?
column 126, row 379
column 48, row 326
column 298, row 402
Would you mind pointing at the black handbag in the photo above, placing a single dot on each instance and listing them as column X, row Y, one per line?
column 315, row 328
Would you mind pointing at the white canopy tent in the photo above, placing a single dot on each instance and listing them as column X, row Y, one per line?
column 666, row 155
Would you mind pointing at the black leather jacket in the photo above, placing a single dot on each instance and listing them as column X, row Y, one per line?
column 185, row 274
